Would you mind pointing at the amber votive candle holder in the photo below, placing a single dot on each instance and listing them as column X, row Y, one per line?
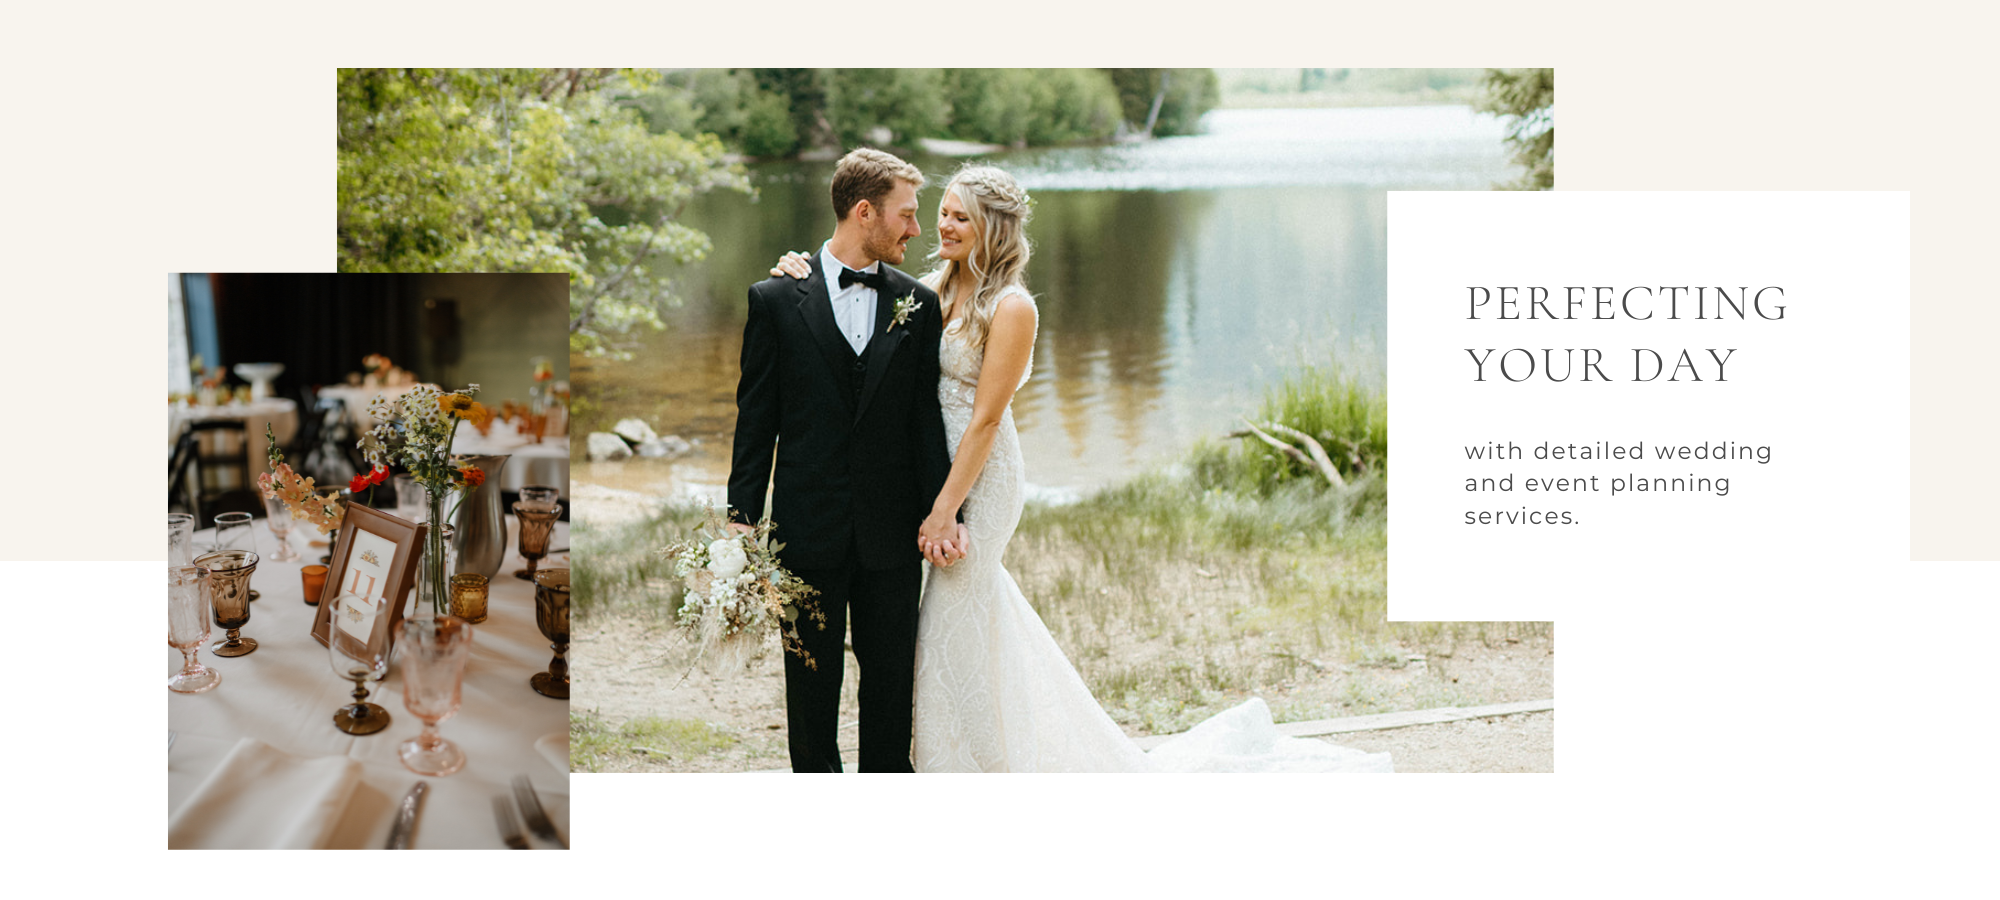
column 313, row 579
column 468, row 597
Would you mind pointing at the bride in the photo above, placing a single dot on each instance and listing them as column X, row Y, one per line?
column 994, row 692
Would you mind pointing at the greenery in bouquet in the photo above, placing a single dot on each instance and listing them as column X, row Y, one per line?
column 323, row 511
column 736, row 589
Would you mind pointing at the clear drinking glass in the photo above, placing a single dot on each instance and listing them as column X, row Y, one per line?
column 363, row 664
column 539, row 497
column 180, row 539
column 434, row 651
column 409, row 498
column 187, row 628
column 279, row 517
column 228, row 588
column 232, row 532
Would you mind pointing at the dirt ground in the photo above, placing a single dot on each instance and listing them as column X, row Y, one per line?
column 620, row 673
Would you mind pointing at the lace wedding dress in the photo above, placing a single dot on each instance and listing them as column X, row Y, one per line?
column 994, row 692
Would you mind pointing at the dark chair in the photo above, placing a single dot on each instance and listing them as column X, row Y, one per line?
column 189, row 470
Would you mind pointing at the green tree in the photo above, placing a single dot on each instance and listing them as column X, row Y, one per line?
column 522, row 170
column 1161, row 102
column 908, row 104
column 1039, row 107
column 1527, row 98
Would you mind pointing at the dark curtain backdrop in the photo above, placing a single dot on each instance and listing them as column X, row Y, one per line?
column 318, row 325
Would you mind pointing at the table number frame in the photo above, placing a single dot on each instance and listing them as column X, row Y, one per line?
column 407, row 536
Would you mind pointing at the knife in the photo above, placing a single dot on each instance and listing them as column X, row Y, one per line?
column 406, row 818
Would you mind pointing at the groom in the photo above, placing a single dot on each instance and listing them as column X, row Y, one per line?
column 845, row 386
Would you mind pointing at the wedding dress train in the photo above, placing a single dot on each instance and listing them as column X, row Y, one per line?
column 994, row 692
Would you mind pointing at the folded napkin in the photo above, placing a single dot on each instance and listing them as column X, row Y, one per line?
column 555, row 749
column 261, row 797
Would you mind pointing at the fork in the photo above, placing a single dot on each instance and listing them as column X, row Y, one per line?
column 510, row 827
column 531, row 810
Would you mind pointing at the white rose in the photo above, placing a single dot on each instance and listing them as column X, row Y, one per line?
column 726, row 559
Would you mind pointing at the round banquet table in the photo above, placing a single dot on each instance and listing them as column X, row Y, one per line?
column 278, row 412
column 527, row 462
column 285, row 694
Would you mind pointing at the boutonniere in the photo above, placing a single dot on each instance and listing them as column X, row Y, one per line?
column 903, row 309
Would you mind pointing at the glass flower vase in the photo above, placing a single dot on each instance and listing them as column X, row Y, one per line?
column 433, row 566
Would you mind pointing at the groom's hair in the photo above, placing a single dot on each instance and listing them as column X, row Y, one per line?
column 870, row 175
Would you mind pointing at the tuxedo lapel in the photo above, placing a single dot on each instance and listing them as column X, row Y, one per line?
column 883, row 343
column 818, row 313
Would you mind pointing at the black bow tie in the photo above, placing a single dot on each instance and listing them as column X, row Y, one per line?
column 875, row 280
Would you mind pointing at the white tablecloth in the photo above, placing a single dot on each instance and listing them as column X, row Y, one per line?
column 527, row 463
column 281, row 414
column 286, row 692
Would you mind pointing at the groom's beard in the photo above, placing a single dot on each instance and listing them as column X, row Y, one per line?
column 887, row 245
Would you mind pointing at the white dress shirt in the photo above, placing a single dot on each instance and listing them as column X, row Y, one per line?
column 853, row 306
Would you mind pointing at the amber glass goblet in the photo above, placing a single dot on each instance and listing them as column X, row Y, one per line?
column 552, row 617
column 187, row 628
column 228, row 589
column 536, row 526
column 434, row 651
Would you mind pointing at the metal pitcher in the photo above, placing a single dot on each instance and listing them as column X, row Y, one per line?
column 480, row 529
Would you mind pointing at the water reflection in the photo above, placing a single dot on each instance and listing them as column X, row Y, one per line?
column 1175, row 278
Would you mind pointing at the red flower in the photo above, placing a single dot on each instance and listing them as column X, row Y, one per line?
column 369, row 479
column 472, row 476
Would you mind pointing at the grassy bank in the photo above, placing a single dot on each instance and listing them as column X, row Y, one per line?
column 1178, row 594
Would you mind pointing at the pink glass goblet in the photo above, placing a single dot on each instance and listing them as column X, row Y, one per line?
column 433, row 653
column 187, row 628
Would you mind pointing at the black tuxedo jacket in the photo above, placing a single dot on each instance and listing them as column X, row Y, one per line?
column 860, row 442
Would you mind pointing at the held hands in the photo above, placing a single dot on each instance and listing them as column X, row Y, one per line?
column 794, row 264
column 943, row 540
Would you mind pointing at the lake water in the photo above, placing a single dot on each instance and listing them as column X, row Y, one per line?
column 1175, row 278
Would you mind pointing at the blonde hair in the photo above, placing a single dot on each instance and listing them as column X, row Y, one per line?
column 869, row 174
column 999, row 210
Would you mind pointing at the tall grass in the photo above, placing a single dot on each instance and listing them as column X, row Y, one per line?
column 1176, row 594
column 1349, row 419
column 620, row 566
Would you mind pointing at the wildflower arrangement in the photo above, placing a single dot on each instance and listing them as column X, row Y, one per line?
column 416, row 431
column 736, row 590
column 281, row 483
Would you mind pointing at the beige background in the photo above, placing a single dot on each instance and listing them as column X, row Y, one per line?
column 1803, row 755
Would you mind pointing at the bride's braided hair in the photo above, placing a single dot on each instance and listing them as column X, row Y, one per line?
column 999, row 211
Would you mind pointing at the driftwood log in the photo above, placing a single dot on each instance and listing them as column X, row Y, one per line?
column 1318, row 460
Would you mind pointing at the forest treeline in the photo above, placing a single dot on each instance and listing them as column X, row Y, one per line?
column 791, row 112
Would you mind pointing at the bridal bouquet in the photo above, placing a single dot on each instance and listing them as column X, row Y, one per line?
column 736, row 590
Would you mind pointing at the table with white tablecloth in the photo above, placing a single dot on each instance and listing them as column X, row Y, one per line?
column 280, row 414
column 545, row 463
column 285, row 695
